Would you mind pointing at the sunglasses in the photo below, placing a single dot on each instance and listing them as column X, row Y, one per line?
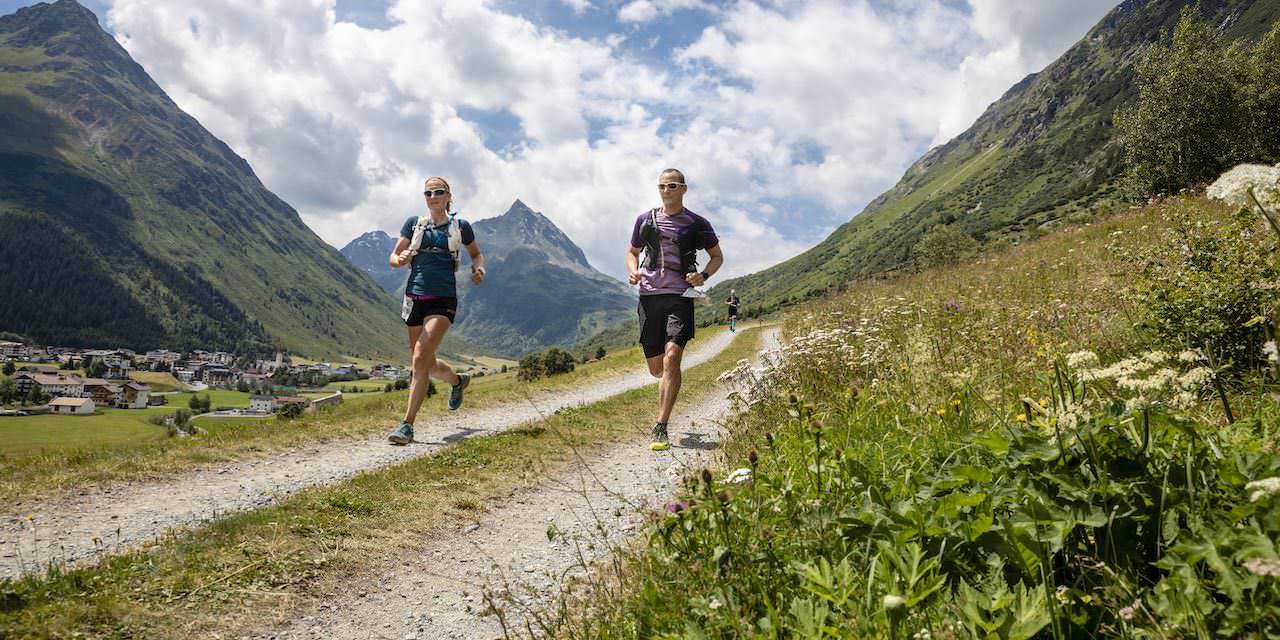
column 670, row 186
column 435, row 193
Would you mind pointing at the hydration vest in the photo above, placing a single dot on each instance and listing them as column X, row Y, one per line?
column 425, row 224
column 687, row 244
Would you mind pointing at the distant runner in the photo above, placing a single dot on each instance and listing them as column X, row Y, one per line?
column 733, row 310
column 671, row 237
column 431, row 245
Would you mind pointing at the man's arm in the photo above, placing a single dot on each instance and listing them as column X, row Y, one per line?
column 713, row 265
column 633, row 265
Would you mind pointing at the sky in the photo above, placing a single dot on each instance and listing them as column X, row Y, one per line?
column 786, row 116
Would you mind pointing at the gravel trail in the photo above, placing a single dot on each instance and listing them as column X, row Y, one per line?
column 106, row 520
column 438, row 592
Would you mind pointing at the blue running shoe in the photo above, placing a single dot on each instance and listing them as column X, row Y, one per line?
column 455, row 391
column 403, row 434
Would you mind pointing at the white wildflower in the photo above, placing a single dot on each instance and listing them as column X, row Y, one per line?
column 1082, row 359
column 1155, row 357
column 1195, row 378
column 1233, row 186
column 1263, row 488
column 1264, row 567
column 892, row 602
column 1130, row 611
column 738, row 476
column 714, row 603
column 1190, row 355
column 1269, row 349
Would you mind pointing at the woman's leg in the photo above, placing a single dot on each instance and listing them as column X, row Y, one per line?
column 425, row 364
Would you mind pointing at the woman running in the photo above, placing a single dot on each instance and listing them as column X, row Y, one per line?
column 430, row 245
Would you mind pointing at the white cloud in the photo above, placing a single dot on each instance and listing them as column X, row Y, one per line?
column 578, row 6
column 648, row 10
column 822, row 101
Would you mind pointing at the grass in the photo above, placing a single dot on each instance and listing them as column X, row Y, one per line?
column 269, row 561
column 922, row 468
column 159, row 381
column 30, row 474
column 46, row 434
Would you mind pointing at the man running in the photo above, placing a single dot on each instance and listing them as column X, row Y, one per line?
column 733, row 310
column 670, row 237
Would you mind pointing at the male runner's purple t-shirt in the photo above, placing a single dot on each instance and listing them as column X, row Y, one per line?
column 668, row 277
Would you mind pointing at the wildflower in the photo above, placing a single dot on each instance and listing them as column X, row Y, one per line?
column 955, row 403
column 1273, row 355
column 952, row 306
column 942, row 412
column 1021, row 417
column 1062, row 595
column 1260, row 489
column 706, row 475
column 1130, row 611
column 676, row 506
column 1195, row 378
column 893, row 603
column 1082, row 359
column 739, row 476
column 1190, row 355
column 1233, row 186
column 1044, row 402
column 753, row 458
column 714, row 603
column 1263, row 567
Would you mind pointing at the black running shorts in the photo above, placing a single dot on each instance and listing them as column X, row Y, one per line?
column 665, row 317
column 415, row 312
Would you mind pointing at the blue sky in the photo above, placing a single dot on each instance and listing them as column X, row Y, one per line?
column 788, row 116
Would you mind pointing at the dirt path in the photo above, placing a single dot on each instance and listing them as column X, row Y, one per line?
column 103, row 521
column 438, row 592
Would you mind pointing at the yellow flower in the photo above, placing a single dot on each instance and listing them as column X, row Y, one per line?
column 1021, row 417
column 955, row 403
column 942, row 412
column 1044, row 402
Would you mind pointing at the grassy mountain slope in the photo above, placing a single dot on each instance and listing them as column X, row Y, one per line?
column 112, row 198
column 1044, row 151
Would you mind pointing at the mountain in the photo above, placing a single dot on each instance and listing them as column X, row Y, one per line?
column 370, row 252
column 124, row 222
column 1045, row 151
column 540, row 290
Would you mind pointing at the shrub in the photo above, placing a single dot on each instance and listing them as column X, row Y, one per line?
column 1207, row 293
column 942, row 245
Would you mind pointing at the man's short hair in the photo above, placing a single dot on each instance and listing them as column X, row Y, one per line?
column 675, row 171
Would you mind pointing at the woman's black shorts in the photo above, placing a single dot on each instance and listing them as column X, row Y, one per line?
column 415, row 312
column 665, row 317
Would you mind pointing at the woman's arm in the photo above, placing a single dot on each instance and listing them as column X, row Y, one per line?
column 400, row 255
column 477, row 262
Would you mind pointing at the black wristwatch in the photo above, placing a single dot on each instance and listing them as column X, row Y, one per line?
column 705, row 276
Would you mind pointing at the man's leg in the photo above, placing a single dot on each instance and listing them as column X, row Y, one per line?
column 669, row 387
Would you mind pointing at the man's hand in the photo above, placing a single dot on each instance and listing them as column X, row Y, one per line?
column 633, row 277
column 477, row 275
column 694, row 279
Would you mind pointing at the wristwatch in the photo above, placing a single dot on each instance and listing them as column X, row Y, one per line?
column 705, row 276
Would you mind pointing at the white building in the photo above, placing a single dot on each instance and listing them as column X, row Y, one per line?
column 52, row 385
column 73, row 406
column 262, row 404
column 14, row 349
column 135, row 395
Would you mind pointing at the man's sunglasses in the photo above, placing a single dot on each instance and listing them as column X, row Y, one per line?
column 670, row 186
column 435, row 193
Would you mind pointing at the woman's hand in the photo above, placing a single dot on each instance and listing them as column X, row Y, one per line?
column 477, row 275
column 401, row 259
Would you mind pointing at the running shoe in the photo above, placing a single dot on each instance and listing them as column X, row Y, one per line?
column 455, row 391
column 660, row 440
column 403, row 434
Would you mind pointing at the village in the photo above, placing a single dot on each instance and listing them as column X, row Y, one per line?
column 49, row 379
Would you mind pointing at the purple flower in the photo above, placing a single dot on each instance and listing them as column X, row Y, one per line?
column 677, row 506
column 952, row 305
